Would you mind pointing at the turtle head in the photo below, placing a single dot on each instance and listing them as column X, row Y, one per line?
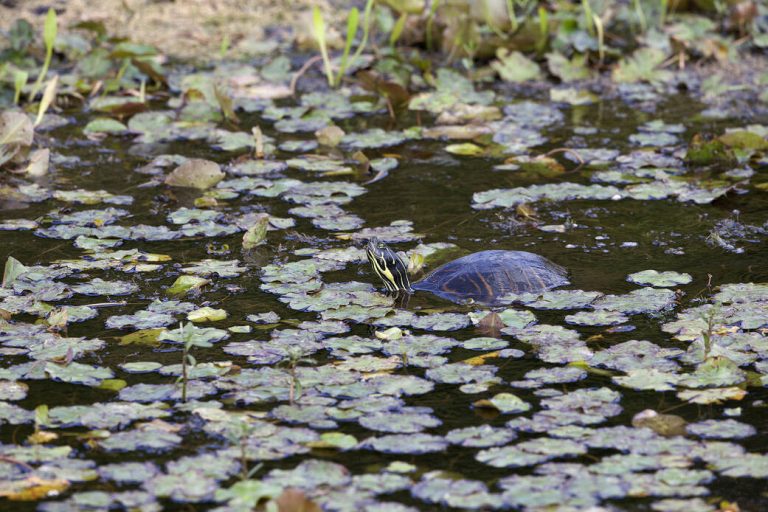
column 388, row 266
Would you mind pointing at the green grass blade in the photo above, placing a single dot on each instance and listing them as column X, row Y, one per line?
column 49, row 29
column 318, row 26
column 588, row 16
column 366, row 30
column 48, row 96
column 431, row 21
column 543, row 29
column 19, row 81
column 600, row 37
column 512, row 16
column 640, row 16
column 397, row 30
column 49, row 37
column 352, row 22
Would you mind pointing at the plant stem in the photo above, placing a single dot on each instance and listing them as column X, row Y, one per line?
column 184, row 374
column 319, row 29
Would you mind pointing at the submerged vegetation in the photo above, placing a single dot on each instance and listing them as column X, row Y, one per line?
column 188, row 317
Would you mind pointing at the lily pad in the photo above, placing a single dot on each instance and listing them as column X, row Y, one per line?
column 721, row 429
column 195, row 173
column 598, row 317
column 656, row 278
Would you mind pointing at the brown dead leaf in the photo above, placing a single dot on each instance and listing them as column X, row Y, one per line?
column 490, row 325
column 294, row 500
column 666, row 425
column 32, row 488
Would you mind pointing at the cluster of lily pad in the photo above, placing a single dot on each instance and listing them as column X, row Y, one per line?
column 317, row 367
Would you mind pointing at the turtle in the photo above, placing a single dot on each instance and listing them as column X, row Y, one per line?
column 482, row 277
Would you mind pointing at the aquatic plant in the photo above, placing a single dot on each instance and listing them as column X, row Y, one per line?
column 49, row 37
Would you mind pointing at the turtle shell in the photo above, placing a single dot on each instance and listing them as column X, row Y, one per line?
column 486, row 276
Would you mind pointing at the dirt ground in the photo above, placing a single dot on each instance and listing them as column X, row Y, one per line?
column 189, row 29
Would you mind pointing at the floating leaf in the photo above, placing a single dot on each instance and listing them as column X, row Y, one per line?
column 514, row 66
column 183, row 284
column 505, row 403
column 195, row 173
column 656, row 278
column 206, row 314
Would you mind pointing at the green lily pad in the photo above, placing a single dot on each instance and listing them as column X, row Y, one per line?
column 142, row 319
column 458, row 493
column 98, row 286
column 515, row 67
column 482, row 436
column 568, row 70
column 399, row 422
column 643, row 65
column 714, row 372
column 634, row 355
column 373, row 138
column 529, row 453
column 197, row 336
column 598, row 317
column 452, row 88
column 105, row 415
column 78, row 373
column 148, row 438
column 220, row 268
column 141, row 367
column 464, row 149
column 648, row 379
column 104, row 125
column 406, row 443
column 505, row 198
column 318, row 164
column 81, row 196
column 642, row 300
column 656, row 278
column 721, row 429
column 555, row 299
column 507, row 403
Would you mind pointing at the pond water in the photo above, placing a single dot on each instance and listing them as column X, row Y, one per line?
column 364, row 418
